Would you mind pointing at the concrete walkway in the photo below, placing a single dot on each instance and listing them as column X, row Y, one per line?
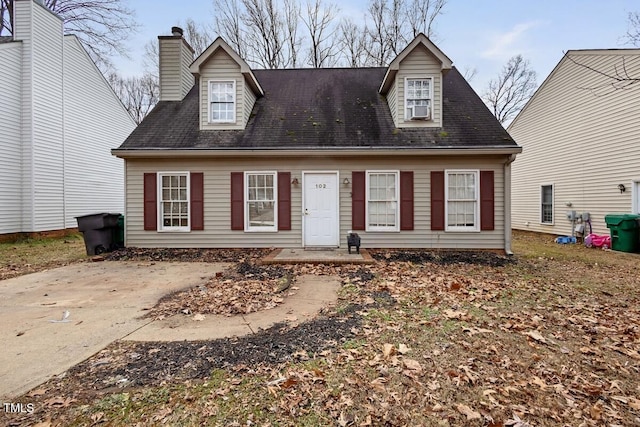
column 312, row 294
column 105, row 302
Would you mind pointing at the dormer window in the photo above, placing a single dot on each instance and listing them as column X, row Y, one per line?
column 222, row 101
column 418, row 98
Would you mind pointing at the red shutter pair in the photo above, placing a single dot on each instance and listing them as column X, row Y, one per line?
column 196, row 186
column 358, row 200
column 284, row 201
column 486, row 200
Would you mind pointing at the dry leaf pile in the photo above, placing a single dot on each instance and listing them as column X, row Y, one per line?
column 241, row 289
column 544, row 341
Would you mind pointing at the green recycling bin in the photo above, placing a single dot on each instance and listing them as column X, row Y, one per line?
column 625, row 232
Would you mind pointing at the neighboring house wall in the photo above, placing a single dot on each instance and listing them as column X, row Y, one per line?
column 419, row 63
column 41, row 35
column 10, row 136
column 217, row 210
column 93, row 178
column 582, row 136
column 67, row 118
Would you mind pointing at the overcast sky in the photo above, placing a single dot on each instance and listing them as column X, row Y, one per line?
column 481, row 34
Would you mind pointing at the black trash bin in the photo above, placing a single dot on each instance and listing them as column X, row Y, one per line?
column 99, row 232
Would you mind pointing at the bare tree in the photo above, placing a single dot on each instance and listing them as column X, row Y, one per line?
column 101, row 25
column 318, row 20
column 377, row 48
column 392, row 24
column 265, row 33
column 291, row 15
column 138, row 94
column 228, row 24
column 421, row 15
column 510, row 91
column 469, row 73
column 352, row 40
column 198, row 36
column 633, row 29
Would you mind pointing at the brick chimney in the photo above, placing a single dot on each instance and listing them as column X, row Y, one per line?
column 175, row 57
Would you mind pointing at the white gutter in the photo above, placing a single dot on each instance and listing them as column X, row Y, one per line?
column 313, row 152
column 507, row 204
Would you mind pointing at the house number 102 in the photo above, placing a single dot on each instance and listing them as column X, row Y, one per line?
column 321, row 185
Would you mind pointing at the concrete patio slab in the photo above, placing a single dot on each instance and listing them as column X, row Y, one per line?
column 105, row 301
column 315, row 256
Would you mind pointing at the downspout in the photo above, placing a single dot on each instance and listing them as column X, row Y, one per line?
column 507, row 204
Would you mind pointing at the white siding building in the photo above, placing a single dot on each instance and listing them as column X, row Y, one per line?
column 59, row 118
column 580, row 135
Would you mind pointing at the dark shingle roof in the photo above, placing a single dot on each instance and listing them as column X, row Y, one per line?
column 329, row 108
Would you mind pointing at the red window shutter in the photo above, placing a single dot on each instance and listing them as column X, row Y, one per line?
column 406, row 200
column 237, row 201
column 358, row 201
column 487, row 200
column 284, row 200
column 197, row 201
column 437, row 200
column 150, row 202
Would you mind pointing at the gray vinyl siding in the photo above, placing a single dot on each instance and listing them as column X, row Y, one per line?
column 67, row 119
column 94, row 179
column 392, row 100
column 221, row 67
column 217, row 231
column 10, row 104
column 419, row 63
column 175, row 78
column 249, row 101
column 47, row 114
column 584, row 142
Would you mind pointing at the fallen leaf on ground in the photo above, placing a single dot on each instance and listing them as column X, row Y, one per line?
column 470, row 413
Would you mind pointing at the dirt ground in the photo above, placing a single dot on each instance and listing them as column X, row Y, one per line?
column 549, row 337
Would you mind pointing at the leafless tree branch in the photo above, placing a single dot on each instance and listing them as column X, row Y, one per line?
column 510, row 91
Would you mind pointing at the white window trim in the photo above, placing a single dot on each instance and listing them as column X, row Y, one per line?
column 164, row 229
column 476, row 213
column 406, row 90
column 396, row 228
column 553, row 203
column 209, row 102
column 257, row 229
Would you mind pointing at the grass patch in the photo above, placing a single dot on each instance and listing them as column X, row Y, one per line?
column 35, row 254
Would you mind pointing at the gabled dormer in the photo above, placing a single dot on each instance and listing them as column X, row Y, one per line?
column 413, row 84
column 227, row 88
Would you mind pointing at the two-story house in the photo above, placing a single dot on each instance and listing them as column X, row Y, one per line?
column 407, row 156
column 59, row 119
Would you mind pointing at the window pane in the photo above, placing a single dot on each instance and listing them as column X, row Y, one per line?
column 261, row 214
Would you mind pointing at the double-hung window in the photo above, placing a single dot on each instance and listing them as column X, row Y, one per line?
column 260, row 201
column 462, row 194
column 418, row 98
column 173, row 201
column 222, row 101
column 382, row 201
column 546, row 204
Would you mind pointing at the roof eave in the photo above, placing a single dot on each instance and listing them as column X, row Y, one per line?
column 126, row 153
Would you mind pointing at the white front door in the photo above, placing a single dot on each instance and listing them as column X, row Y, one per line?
column 320, row 209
